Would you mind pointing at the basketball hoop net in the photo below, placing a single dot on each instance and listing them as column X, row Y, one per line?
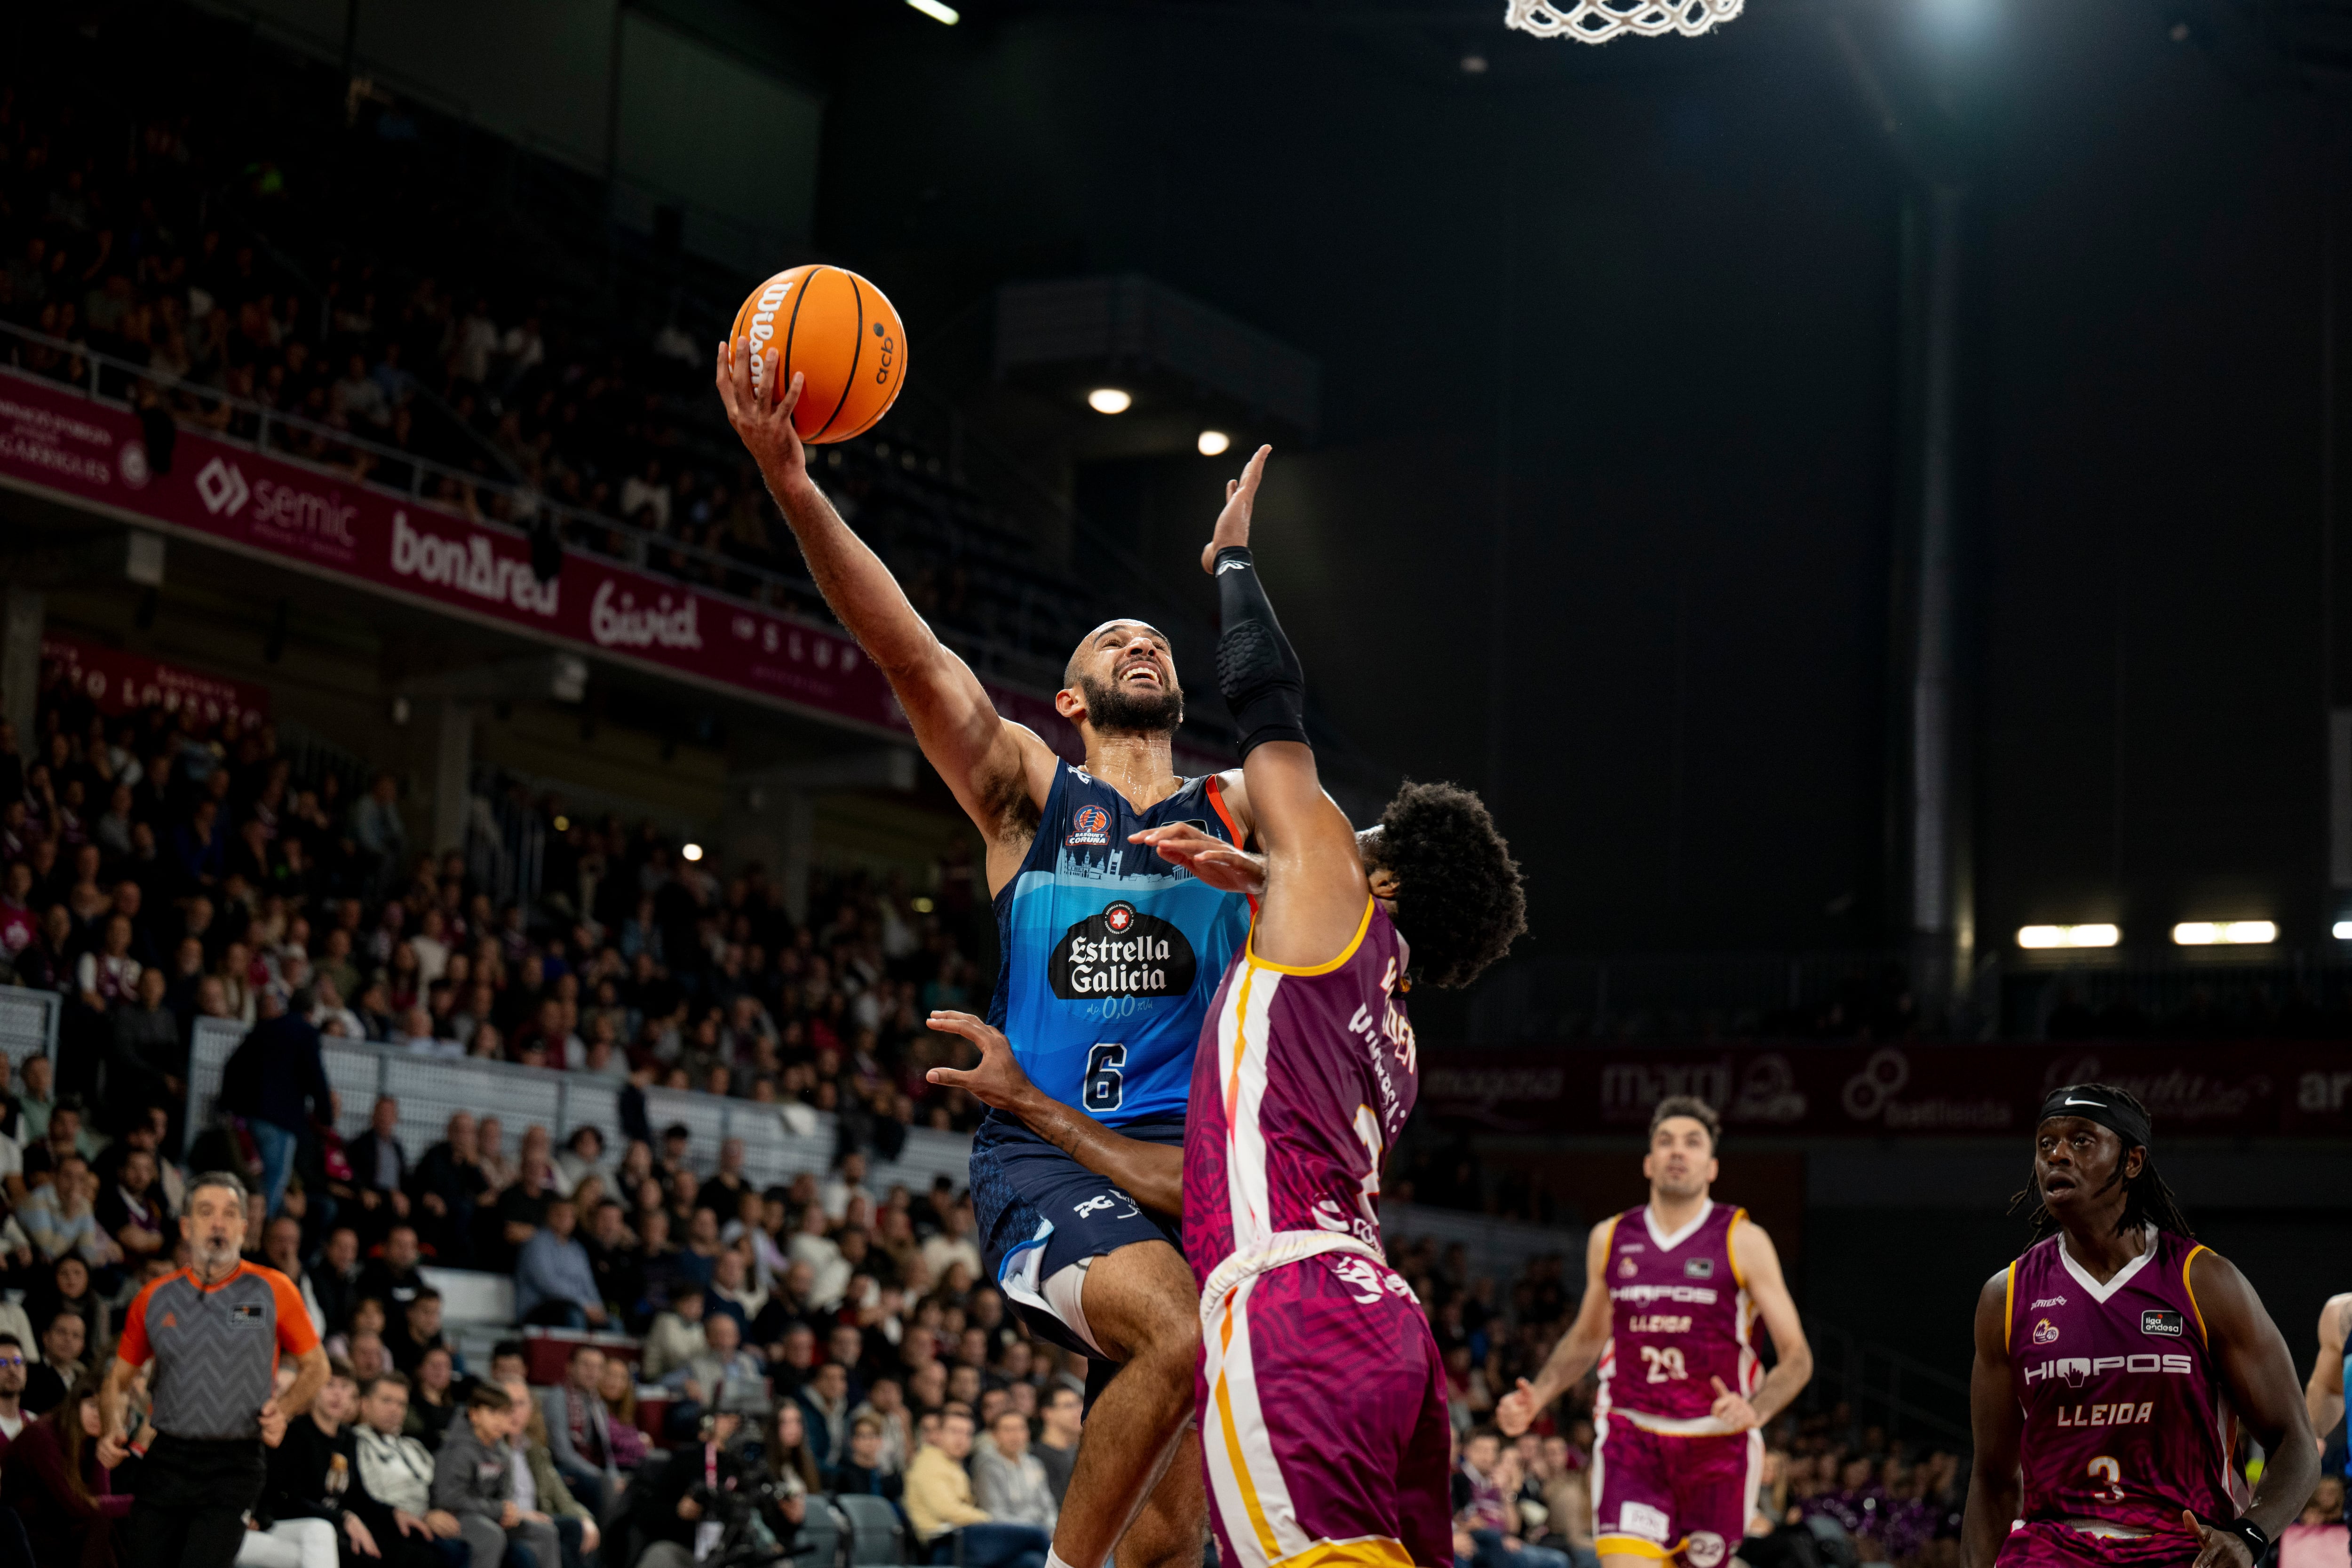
column 1598, row 21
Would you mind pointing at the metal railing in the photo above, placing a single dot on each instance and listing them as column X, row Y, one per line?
column 427, row 483
column 29, row 1022
column 429, row 1089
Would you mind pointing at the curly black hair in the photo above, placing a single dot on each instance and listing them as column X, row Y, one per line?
column 1459, row 903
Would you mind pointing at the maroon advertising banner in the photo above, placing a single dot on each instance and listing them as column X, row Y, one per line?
column 52, row 438
column 118, row 682
column 2217, row 1089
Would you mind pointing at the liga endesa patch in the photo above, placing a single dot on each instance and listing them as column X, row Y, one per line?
column 1121, row 952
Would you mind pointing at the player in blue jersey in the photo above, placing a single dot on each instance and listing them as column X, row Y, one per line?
column 1112, row 954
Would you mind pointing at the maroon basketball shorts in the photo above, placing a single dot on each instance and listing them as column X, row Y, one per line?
column 1323, row 1422
column 1659, row 1494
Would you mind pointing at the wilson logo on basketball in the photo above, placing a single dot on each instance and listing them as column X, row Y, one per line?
column 1121, row 952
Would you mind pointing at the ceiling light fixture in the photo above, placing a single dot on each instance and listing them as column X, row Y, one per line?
column 2224, row 933
column 1109, row 400
column 2068, row 936
column 937, row 12
column 1213, row 443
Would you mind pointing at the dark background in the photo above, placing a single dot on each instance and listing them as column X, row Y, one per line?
column 1612, row 342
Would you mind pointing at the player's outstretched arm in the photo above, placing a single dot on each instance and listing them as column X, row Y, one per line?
column 1578, row 1350
column 991, row 765
column 2323, row 1396
column 2258, row 1371
column 1315, row 884
column 1997, row 1425
column 1759, row 1270
column 1150, row 1173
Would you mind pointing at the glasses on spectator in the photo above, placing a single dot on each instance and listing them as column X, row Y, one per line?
column 7, row 1361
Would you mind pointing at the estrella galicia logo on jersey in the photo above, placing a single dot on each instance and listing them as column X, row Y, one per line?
column 2045, row 1332
column 1121, row 952
column 1090, row 824
column 2162, row 1320
column 1699, row 1269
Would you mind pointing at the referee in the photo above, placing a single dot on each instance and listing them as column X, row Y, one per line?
column 213, row 1331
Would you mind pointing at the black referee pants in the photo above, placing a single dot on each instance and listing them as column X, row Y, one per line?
column 192, row 1500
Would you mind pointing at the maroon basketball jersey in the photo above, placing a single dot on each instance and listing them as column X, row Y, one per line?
column 1303, row 1078
column 2127, row 1422
column 1679, row 1315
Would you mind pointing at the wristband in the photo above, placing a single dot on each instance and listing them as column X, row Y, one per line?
column 2258, row 1540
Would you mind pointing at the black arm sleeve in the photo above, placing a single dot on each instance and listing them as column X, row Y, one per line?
column 1257, row 671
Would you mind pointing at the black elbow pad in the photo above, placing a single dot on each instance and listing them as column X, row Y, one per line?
column 1257, row 671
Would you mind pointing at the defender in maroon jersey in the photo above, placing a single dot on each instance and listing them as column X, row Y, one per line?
column 2117, row 1362
column 1672, row 1291
column 1321, row 1396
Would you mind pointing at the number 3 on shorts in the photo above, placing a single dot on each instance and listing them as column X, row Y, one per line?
column 1106, row 1086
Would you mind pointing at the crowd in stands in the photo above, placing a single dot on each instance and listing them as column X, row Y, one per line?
column 201, row 205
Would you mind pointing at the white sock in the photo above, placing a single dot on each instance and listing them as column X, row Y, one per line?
column 1053, row 1559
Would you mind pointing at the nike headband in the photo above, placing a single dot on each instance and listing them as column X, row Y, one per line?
column 2098, row 1102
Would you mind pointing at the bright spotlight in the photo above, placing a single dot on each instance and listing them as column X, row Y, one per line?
column 2343, row 932
column 937, row 12
column 921, row 905
column 691, row 851
column 2068, row 936
column 563, row 825
column 2224, row 933
column 1213, row 443
column 1109, row 400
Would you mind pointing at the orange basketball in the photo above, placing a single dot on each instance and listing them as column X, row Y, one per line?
column 843, row 336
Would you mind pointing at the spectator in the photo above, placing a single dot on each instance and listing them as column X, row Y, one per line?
column 63, row 1343
column 791, row 1474
column 397, row 1469
column 1008, row 1480
column 676, row 1336
column 847, row 1183
column 448, row 1183
column 281, row 1248
column 950, row 1526
column 540, row 1489
column 582, row 1155
column 614, row 1256
column 13, row 1413
column 58, row 1217
column 1062, row 1411
column 419, row 1332
column 67, row 1287
column 336, row 1280
column 619, row 1388
column 580, row 1432
column 825, row 1401
column 864, row 1468
column 723, row 1370
column 811, row 1246
column 53, row 1482
column 276, row 1081
column 952, row 1245
column 145, row 1063
column 391, row 1277
column 473, row 1480
column 132, row 1211
column 379, row 1164
column 554, row 1284
column 435, row 1400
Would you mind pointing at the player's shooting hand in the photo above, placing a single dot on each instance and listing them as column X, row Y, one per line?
column 2216, row 1548
column 998, row 1081
column 1733, row 1410
column 1207, row 857
column 1241, row 498
column 273, row 1422
column 1516, row 1411
column 762, row 418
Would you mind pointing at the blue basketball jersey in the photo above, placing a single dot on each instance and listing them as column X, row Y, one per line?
column 1111, row 955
